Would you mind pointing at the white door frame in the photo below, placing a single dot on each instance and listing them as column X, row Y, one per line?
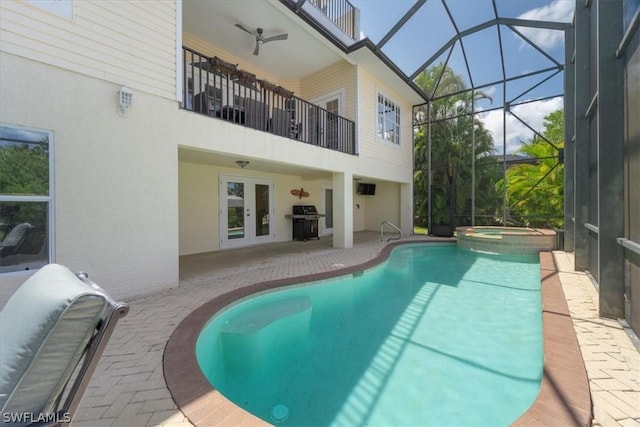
column 249, row 232
column 326, row 231
column 338, row 94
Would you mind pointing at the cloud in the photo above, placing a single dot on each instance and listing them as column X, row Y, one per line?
column 533, row 114
column 556, row 11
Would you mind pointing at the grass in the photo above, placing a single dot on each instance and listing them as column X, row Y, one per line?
column 420, row 230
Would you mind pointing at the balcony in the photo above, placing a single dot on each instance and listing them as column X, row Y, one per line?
column 221, row 90
column 343, row 14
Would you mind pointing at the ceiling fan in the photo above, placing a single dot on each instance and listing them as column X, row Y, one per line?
column 260, row 39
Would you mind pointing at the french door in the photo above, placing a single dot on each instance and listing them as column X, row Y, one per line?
column 323, row 124
column 246, row 209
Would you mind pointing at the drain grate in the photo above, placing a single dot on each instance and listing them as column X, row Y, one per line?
column 279, row 412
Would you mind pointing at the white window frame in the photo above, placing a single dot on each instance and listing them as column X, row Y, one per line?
column 386, row 126
column 49, row 199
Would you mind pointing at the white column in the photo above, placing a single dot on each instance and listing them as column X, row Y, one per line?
column 343, row 210
column 406, row 208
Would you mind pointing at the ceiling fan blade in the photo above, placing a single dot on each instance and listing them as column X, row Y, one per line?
column 278, row 37
column 243, row 28
column 256, row 51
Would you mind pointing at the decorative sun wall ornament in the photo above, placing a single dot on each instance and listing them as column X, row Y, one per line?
column 299, row 193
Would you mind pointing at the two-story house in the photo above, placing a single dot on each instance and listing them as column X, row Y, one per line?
column 136, row 132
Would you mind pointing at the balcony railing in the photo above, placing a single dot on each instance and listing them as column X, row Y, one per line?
column 221, row 90
column 340, row 12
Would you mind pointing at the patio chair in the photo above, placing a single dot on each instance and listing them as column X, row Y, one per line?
column 281, row 122
column 53, row 331
column 255, row 114
column 13, row 241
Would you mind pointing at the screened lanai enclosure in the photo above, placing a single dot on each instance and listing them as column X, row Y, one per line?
column 488, row 139
column 531, row 118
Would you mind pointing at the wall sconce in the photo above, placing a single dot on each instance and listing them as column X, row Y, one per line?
column 125, row 99
column 242, row 163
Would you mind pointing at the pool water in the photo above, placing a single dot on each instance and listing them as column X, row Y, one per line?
column 433, row 336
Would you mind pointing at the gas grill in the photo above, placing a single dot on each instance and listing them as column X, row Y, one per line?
column 305, row 222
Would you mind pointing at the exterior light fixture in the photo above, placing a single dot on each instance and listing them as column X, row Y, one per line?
column 125, row 99
column 242, row 163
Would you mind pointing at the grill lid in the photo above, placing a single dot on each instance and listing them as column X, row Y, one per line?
column 305, row 210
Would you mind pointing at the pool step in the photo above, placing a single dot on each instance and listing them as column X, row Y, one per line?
column 267, row 337
column 261, row 317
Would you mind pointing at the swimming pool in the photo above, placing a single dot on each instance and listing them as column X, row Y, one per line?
column 435, row 335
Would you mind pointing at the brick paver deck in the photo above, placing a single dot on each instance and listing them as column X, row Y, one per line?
column 609, row 349
column 129, row 389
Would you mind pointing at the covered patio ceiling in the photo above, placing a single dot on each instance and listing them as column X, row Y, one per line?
column 303, row 53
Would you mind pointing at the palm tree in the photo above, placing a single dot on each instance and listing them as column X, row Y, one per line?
column 452, row 152
column 535, row 192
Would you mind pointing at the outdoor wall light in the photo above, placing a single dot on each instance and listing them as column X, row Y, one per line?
column 125, row 99
column 242, row 163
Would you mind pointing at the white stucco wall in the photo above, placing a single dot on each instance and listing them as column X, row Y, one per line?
column 198, row 208
column 116, row 210
column 383, row 206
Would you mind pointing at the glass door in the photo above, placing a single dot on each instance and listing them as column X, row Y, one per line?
column 325, row 124
column 331, row 131
column 246, row 209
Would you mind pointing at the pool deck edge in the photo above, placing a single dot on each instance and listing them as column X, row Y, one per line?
column 564, row 397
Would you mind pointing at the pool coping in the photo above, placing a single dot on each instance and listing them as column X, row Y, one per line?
column 564, row 397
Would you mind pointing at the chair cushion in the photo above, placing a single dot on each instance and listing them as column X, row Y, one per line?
column 44, row 329
column 12, row 241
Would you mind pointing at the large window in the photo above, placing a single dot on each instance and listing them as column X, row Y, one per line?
column 25, row 198
column 388, row 120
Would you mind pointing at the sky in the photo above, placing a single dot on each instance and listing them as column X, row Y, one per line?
column 430, row 28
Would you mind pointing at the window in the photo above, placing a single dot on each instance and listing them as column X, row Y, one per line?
column 25, row 198
column 388, row 120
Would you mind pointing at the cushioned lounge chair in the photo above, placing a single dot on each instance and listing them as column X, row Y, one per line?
column 13, row 241
column 53, row 331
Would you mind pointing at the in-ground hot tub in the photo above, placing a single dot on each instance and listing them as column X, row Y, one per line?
column 506, row 240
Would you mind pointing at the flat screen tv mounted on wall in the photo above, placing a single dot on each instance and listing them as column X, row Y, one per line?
column 366, row 189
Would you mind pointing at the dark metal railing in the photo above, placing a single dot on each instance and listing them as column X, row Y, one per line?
column 340, row 12
column 219, row 89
